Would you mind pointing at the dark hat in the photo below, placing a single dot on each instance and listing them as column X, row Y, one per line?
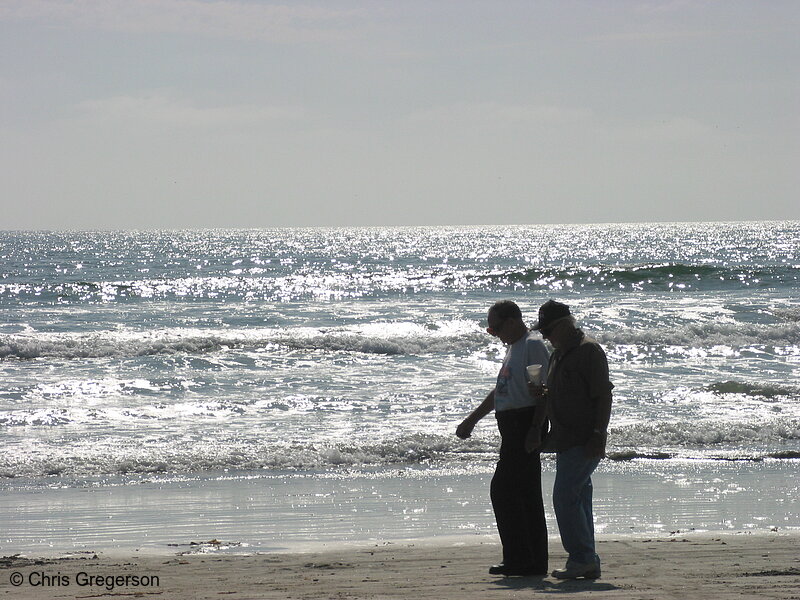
column 550, row 312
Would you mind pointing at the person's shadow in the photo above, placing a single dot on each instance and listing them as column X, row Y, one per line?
column 541, row 584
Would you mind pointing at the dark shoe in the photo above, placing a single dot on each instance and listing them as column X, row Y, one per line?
column 511, row 571
column 577, row 571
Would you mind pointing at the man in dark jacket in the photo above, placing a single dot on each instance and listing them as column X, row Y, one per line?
column 578, row 396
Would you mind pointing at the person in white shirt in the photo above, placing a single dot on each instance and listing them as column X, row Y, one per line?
column 516, row 489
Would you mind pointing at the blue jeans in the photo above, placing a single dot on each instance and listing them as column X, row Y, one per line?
column 572, row 501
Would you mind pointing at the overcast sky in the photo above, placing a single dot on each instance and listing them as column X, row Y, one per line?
column 123, row 114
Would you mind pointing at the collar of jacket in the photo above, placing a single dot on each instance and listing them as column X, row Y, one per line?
column 573, row 342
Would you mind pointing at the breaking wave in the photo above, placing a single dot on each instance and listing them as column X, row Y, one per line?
column 706, row 435
column 419, row 341
column 236, row 454
column 332, row 281
column 788, row 314
column 184, row 341
column 751, row 389
column 657, row 276
column 707, row 334
column 687, row 440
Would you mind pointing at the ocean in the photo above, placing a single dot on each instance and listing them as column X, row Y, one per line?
column 288, row 354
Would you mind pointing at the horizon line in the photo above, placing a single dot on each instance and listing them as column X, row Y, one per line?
column 439, row 226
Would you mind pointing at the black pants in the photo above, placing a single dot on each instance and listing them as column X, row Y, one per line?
column 516, row 493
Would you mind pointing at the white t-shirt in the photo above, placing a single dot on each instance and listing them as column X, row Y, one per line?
column 511, row 390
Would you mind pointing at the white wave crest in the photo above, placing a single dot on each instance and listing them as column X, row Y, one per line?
column 789, row 314
column 158, row 456
column 705, row 434
column 416, row 339
column 735, row 335
column 707, row 440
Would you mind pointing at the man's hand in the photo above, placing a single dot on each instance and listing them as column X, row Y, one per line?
column 596, row 446
column 534, row 439
column 537, row 390
column 465, row 429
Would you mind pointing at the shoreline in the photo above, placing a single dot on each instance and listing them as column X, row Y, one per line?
column 719, row 565
column 288, row 512
column 276, row 513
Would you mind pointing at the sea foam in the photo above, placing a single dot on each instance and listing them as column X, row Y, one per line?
column 422, row 341
column 191, row 453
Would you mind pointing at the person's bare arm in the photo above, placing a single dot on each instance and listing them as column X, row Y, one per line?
column 464, row 430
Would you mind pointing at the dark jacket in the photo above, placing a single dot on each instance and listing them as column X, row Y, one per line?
column 578, row 376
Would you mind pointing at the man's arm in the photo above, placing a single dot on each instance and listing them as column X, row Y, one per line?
column 534, row 438
column 597, row 443
column 464, row 430
column 603, row 412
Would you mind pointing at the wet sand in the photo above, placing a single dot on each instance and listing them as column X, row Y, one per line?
column 747, row 565
column 307, row 512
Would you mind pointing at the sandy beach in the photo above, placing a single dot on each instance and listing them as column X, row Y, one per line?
column 754, row 565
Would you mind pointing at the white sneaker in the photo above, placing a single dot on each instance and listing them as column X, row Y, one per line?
column 578, row 570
